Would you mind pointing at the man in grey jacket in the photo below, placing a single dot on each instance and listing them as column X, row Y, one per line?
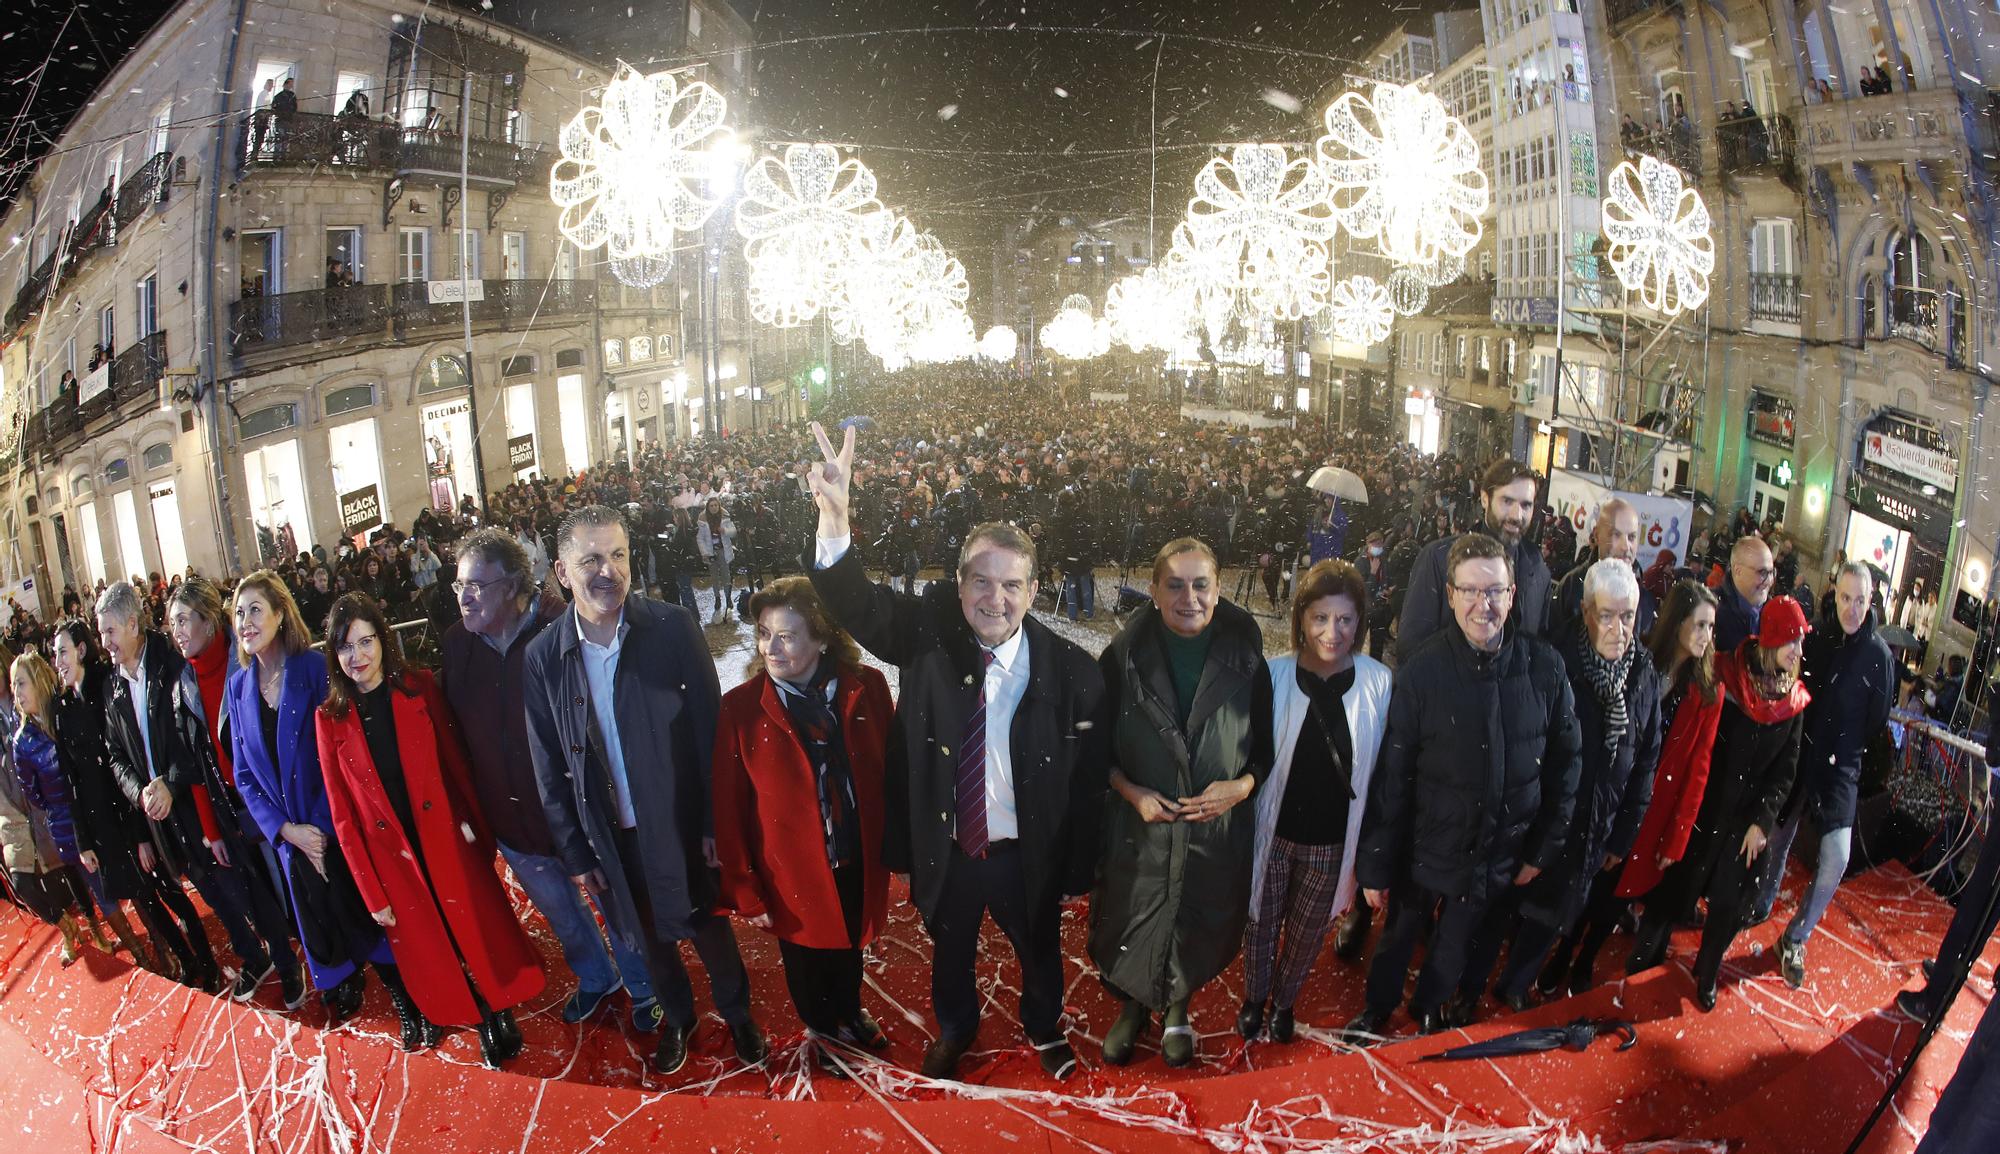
column 622, row 701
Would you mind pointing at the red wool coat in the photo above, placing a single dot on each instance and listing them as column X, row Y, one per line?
column 1677, row 791
column 469, row 907
column 768, row 833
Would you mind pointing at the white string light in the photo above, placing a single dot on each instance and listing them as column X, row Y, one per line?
column 1404, row 172
column 1000, row 344
column 1361, row 310
column 1074, row 333
column 1269, row 217
column 640, row 165
column 1408, row 294
column 1658, row 229
column 802, row 219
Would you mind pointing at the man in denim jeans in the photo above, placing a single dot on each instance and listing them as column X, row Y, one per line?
column 481, row 674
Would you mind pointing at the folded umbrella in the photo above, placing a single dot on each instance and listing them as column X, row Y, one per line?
column 1578, row 1036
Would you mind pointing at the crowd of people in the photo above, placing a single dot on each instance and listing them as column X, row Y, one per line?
column 1567, row 740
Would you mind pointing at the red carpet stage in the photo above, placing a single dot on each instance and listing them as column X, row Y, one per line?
column 100, row 1056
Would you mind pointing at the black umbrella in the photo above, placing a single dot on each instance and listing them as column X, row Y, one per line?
column 1578, row 1036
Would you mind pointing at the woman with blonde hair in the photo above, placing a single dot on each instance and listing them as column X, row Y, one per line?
column 272, row 697
column 35, row 825
column 798, row 781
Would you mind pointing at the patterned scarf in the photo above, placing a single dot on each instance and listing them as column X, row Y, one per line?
column 1608, row 679
column 818, row 727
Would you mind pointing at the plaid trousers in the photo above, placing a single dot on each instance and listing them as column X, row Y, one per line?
column 1300, row 882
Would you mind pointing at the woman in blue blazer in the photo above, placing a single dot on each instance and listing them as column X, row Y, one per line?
column 271, row 701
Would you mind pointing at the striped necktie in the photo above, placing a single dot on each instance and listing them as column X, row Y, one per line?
column 971, row 784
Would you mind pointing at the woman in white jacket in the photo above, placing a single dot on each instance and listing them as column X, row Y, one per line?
column 1330, row 706
column 715, row 536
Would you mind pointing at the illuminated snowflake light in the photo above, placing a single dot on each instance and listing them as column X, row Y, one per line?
column 1404, row 172
column 1074, row 333
column 1000, row 344
column 1270, row 218
column 803, row 220
column 1145, row 314
column 1658, row 229
column 639, row 166
column 1361, row 311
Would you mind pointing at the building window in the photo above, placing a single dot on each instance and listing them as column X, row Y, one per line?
column 514, row 255
column 614, row 352
column 1913, row 305
column 268, row 419
column 349, row 399
column 118, row 471
column 442, row 375
column 148, row 297
column 413, row 251
column 466, row 250
column 517, row 366
column 157, row 456
column 639, row 349
column 569, row 358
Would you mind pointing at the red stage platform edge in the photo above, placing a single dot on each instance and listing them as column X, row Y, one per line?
column 101, row 1056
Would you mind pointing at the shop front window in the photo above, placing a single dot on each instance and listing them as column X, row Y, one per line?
column 275, row 487
column 166, row 509
column 354, row 455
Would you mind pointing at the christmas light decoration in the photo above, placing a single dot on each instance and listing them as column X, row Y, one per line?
column 1361, row 311
column 802, row 220
column 642, row 272
column 1408, row 294
column 1404, row 172
column 1269, row 217
column 1658, row 229
column 1074, row 333
column 1000, row 344
column 1145, row 314
column 640, row 165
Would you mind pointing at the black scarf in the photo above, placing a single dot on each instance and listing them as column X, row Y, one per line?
column 818, row 729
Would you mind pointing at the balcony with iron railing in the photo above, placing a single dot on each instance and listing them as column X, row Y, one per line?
column 1774, row 298
column 362, row 315
column 319, row 142
column 1678, row 144
column 131, row 387
column 98, row 227
column 1754, row 145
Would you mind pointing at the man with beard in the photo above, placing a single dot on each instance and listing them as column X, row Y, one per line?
column 1507, row 493
column 1474, row 789
column 1614, row 537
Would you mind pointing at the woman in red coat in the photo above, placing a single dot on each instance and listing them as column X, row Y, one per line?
column 1683, row 649
column 798, row 806
column 400, row 790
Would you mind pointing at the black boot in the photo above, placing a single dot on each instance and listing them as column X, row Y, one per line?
column 492, row 1050
column 1651, row 948
column 417, row 1031
column 1250, row 1020
column 510, row 1033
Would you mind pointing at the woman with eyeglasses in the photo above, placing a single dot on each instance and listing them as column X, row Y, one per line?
column 399, row 788
column 272, row 696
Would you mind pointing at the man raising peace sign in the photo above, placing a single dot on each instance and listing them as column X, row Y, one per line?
column 995, row 772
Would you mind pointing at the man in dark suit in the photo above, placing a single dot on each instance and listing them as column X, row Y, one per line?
column 622, row 701
column 1615, row 536
column 996, row 775
column 163, row 760
column 1507, row 490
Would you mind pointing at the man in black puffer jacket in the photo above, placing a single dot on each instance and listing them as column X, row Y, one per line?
column 1474, row 789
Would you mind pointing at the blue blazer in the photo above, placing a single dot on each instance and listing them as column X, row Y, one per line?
column 283, row 784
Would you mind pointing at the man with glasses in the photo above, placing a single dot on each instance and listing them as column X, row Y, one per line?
column 1474, row 789
column 622, row 703
column 481, row 674
column 1740, row 601
column 1507, row 493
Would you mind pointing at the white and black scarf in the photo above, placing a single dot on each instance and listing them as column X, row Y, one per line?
column 1608, row 679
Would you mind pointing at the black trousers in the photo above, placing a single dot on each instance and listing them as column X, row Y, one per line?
column 1970, row 925
column 826, row 984
column 241, row 896
column 714, row 942
column 973, row 888
column 1412, row 912
column 1731, row 889
column 1577, row 952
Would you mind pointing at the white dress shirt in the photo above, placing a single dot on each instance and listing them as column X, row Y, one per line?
column 1006, row 684
column 136, row 682
column 600, row 669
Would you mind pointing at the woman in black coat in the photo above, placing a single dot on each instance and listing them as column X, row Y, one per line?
column 1750, row 775
column 1617, row 697
column 1191, row 738
column 108, row 828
